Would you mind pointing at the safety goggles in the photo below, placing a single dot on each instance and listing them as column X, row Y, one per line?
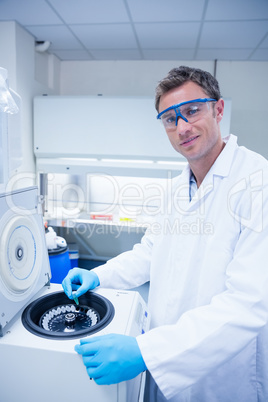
column 189, row 111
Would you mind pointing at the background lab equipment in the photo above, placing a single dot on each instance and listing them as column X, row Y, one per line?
column 39, row 325
column 58, row 253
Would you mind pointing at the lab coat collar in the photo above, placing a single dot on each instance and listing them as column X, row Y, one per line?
column 220, row 168
column 223, row 163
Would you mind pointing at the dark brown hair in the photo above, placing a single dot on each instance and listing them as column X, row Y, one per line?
column 180, row 75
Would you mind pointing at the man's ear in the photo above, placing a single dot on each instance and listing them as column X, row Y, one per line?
column 219, row 109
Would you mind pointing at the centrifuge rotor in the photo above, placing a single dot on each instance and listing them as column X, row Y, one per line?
column 69, row 318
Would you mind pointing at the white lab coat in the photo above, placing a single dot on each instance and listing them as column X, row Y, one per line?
column 207, row 265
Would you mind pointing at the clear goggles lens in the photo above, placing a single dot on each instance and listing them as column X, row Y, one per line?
column 189, row 111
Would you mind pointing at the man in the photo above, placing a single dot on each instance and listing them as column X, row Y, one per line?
column 208, row 295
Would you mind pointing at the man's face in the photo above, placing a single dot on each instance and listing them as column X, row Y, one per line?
column 202, row 138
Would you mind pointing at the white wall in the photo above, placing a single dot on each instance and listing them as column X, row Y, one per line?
column 245, row 82
column 29, row 74
column 117, row 78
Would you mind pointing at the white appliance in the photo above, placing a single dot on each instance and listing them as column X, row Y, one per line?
column 39, row 325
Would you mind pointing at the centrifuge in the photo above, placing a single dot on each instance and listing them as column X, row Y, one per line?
column 40, row 325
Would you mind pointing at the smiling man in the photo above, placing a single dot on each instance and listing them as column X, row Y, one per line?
column 208, row 297
column 191, row 115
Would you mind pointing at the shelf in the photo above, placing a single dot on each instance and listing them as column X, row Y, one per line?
column 73, row 222
column 112, row 167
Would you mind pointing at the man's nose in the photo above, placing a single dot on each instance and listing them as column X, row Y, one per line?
column 182, row 126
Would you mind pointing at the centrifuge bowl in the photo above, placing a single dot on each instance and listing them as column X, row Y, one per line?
column 51, row 316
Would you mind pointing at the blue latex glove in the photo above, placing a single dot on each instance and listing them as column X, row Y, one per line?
column 110, row 359
column 80, row 280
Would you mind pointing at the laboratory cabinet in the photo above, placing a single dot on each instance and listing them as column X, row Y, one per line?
column 99, row 126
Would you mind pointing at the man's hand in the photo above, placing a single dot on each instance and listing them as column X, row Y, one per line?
column 80, row 280
column 110, row 359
